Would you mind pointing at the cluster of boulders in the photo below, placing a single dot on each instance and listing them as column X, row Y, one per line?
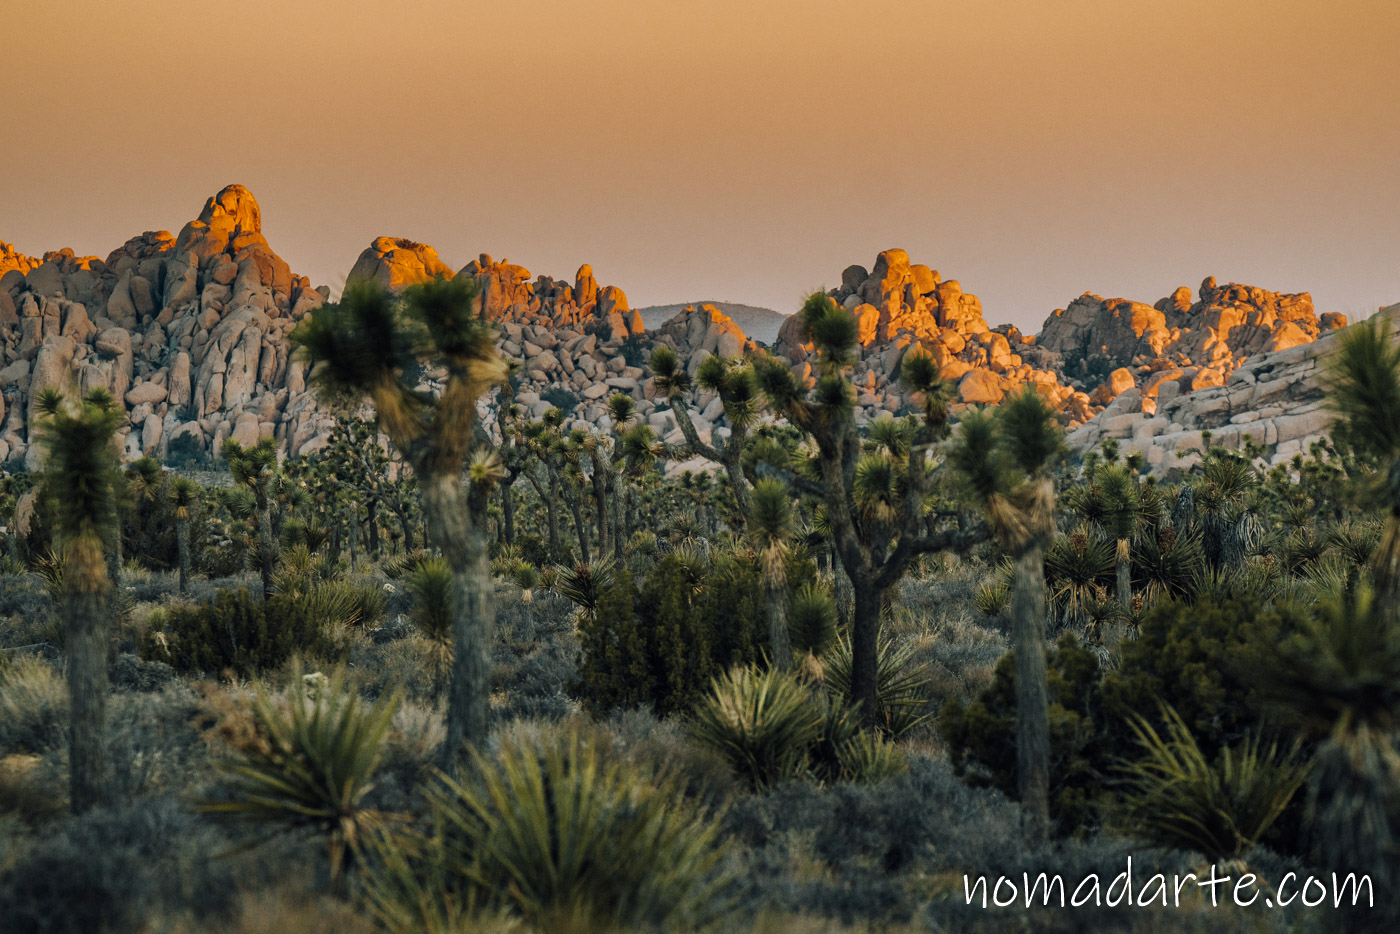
column 1276, row 399
column 901, row 308
column 188, row 332
column 1194, row 344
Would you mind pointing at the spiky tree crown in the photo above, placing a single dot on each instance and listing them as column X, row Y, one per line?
column 671, row 378
column 82, row 471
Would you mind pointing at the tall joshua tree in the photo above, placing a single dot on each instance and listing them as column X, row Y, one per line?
column 82, row 476
column 1004, row 460
column 255, row 469
column 1365, row 394
column 734, row 383
column 183, row 495
column 771, row 528
column 875, row 545
column 365, row 345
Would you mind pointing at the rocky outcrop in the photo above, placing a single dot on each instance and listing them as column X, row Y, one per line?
column 899, row 306
column 188, row 332
column 1203, row 341
column 1276, row 399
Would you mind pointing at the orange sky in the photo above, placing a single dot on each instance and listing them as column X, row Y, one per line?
column 742, row 150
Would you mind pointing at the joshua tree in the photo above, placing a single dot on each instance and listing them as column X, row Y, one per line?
column 1366, row 398
column 737, row 389
column 81, row 476
column 255, row 469
column 183, row 495
column 1004, row 460
column 770, row 526
column 875, row 501
column 366, row 344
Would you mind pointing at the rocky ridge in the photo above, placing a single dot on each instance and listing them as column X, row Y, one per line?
column 189, row 331
column 1276, row 399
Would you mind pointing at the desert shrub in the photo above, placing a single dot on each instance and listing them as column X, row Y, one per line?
column 761, row 722
column 235, row 631
column 561, row 399
column 110, row 870
column 185, row 453
column 20, row 596
column 981, row 736
column 869, row 758
column 1174, row 796
column 553, row 832
column 343, row 603
column 430, row 585
column 33, row 705
column 306, row 765
column 1197, row 658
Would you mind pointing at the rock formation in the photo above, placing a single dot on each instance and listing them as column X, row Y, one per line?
column 187, row 331
column 1276, row 399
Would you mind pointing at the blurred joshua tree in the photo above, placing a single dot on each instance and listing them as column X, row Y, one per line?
column 734, row 383
column 771, row 528
column 1004, row 459
column 183, row 495
column 82, row 476
column 366, row 344
column 1366, row 398
column 255, row 469
column 875, row 500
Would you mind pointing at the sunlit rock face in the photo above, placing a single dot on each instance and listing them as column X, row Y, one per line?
column 1275, row 398
column 188, row 332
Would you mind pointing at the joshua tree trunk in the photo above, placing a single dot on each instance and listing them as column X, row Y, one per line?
column 265, row 542
column 551, row 517
column 463, row 545
column 1032, row 690
column 865, row 636
column 1124, row 571
column 778, row 638
column 600, row 502
column 372, row 520
column 619, row 534
column 508, row 513
column 182, row 535
column 87, row 608
column 580, row 528
column 354, row 535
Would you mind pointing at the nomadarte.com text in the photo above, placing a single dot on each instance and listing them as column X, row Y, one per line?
column 1244, row 890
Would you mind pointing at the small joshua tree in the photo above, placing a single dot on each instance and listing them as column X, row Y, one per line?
column 255, row 469
column 1004, row 459
column 771, row 528
column 183, row 495
column 365, row 345
column 82, row 477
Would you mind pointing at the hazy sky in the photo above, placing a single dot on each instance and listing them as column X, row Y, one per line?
column 741, row 150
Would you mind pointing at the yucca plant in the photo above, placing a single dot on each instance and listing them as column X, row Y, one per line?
column 430, row 586
column 992, row 597
column 184, row 494
column 307, row 766
column 1173, row 796
column 552, row 832
column 584, row 583
column 1077, row 567
column 771, row 529
column 869, row 758
column 760, row 722
column 1165, row 565
column 812, row 619
column 903, row 689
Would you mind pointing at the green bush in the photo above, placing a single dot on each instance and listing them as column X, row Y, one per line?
column 981, row 736
column 236, row 631
column 660, row 644
column 561, row 399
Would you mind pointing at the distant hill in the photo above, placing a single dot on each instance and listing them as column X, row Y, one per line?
column 760, row 324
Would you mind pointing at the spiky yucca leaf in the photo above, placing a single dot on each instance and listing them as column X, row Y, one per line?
column 1175, row 797
column 761, row 722
column 869, row 758
column 812, row 619
column 1365, row 388
column 903, row 690
column 584, row 583
column 671, row 378
column 551, row 831
column 309, row 766
column 430, row 585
